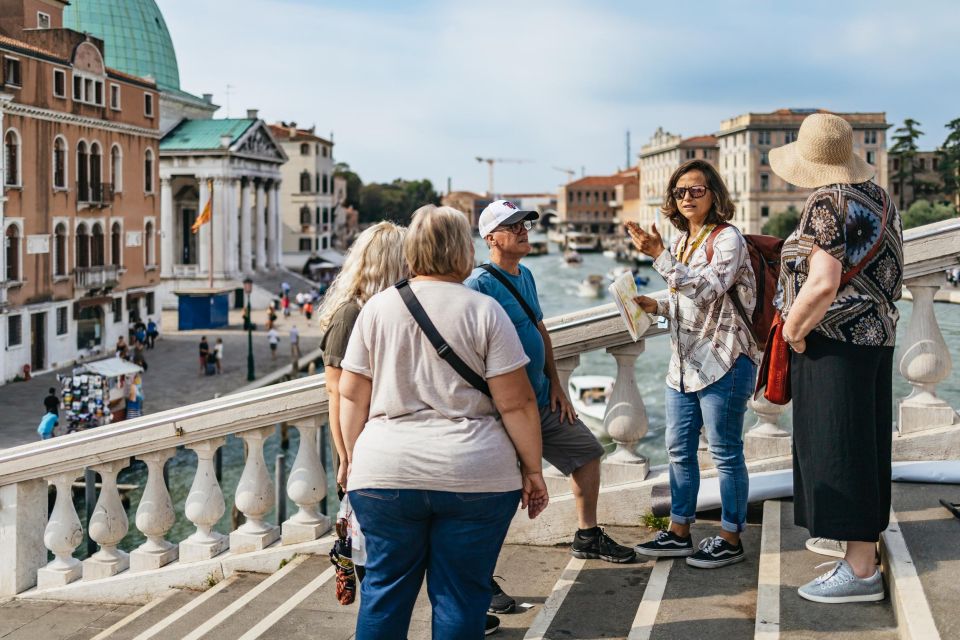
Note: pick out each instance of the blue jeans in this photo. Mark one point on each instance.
(719, 408)
(454, 538)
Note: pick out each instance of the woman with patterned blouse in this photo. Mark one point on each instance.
(842, 271)
(712, 372)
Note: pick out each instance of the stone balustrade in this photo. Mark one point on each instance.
(28, 532)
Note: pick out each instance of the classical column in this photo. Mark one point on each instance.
(261, 241)
(155, 516)
(203, 238)
(204, 506)
(254, 497)
(307, 486)
(246, 233)
(167, 228)
(277, 223)
(108, 525)
(924, 361)
(232, 250)
(626, 417)
(62, 535)
(220, 237)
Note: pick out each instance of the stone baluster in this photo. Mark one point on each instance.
(565, 369)
(204, 506)
(766, 439)
(625, 419)
(108, 525)
(62, 535)
(307, 486)
(155, 516)
(254, 497)
(924, 361)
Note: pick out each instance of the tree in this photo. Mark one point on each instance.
(395, 201)
(782, 224)
(905, 150)
(354, 184)
(922, 212)
(950, 162)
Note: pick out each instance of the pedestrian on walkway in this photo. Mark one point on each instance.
(308, 310)
(294, 342)
(152, 332)
(271, 315)
(47, 424)
(285, 305)
(121, 348)
(841, 275)
(218, 352)
(138, 358)
(135, 398)
(434, 475)
(204, 352)
(711, 372)
(52, 403)
(274, 339)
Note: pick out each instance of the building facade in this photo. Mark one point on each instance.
(927, 170)
(590, 204)
(470, 203)
(307, 195)
(80, 212)
(745, 142)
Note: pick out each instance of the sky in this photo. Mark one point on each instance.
(419, 88)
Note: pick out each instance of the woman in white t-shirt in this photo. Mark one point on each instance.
(434, 476)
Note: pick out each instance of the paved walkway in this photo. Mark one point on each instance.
(172, 379)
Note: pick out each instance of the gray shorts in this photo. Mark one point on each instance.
(567, 446)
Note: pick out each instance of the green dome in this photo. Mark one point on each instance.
(134, 33)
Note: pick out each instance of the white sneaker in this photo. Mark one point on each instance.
(841, 585)
(827, 547)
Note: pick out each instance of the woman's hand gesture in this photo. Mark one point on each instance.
(534, 497)
(650, 244)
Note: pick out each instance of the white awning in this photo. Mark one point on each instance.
(112, 367)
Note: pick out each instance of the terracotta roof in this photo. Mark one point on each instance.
(699, 141)
(599, 181)
(20, 44)
(282, 133)
(129, 76)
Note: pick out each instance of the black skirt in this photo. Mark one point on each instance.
(842, 438)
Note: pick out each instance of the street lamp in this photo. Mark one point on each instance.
(249, 326)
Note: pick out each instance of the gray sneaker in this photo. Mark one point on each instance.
(827, 547)
(840, 584)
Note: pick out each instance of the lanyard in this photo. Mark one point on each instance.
(684, 253)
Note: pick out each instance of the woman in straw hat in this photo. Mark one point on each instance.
(842, 270)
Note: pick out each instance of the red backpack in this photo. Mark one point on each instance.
(765, 259)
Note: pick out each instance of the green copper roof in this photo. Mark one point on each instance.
(134, 33)
(204, 135)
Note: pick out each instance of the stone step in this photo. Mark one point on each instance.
(50, 620)
(786, 565)
(147, 616)
(921, 561)
(708, 603)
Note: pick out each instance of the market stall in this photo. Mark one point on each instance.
(98, 393)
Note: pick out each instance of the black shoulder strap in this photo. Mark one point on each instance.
(443, 349)
(512, 289)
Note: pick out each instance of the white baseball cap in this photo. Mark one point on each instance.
(501, 212)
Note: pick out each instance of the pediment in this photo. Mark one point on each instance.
(259, 143)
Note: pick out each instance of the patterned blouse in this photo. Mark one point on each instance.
(844, 220)
(706, 332)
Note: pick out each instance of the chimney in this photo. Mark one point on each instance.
(208, 98)
(253, 114)
(225, 141)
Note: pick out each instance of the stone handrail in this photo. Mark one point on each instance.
(27, 471)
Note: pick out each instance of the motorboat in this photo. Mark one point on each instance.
(589, 396)
(610, 253)
(616, 272)
(539, 248)
(583, 242)
(592, 287)
(572, 257)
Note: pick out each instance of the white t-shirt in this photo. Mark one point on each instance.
(428, 428)
(273, 337)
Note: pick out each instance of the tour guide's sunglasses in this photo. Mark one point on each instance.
(697, 191)
(516, 227)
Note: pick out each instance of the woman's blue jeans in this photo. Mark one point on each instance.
(453, 538)
(718, 408)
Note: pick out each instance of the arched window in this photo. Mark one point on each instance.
(96, 174)
(13, 252)
(305, 182)
(304, 149)
(116, 247)
(148, 171)
(116, 169)
(59, 163)
(12, 142)
(97, 246)
(60, 250)
(304, 214)
(83, 247)
(148, 244)
(83, 175)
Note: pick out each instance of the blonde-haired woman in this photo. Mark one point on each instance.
(434, 479)
(374, 262)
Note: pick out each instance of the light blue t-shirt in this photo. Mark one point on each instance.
(49, 421)
(530, 336)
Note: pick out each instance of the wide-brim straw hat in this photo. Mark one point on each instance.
(823, 154)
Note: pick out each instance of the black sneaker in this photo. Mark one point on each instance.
(600, 545)
(500, 602)
(666, 544)
(716, 552)
(492, 625)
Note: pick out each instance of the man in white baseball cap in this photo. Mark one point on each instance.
(567, 443)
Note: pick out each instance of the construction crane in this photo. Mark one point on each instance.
(570, 173)
(492, 161)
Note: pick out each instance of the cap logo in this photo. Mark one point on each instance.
(509, 204)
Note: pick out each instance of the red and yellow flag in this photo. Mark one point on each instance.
(204, 217)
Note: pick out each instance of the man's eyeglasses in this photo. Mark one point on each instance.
(516, 227)
(697, 191)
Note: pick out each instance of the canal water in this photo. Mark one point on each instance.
(558, 287)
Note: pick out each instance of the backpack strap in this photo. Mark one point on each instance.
(443, 349)
(732, 291)
(489, 268)
(713, 234)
